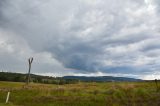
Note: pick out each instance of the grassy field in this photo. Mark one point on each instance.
(82, 94)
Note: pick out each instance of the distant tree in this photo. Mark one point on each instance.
(39, 79)
(17, 79)
(62, 82)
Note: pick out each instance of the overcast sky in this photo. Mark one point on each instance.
(81, 37)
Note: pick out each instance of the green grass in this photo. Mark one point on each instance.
(82, 94)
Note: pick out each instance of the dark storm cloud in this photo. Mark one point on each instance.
(84, 36)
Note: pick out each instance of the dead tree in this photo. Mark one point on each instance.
(30, 60)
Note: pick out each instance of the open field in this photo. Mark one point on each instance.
(82, 94)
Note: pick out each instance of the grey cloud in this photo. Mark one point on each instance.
(105, 35)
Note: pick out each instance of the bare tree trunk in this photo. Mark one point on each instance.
(30, 60)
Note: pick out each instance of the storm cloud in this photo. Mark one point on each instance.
(81, 37)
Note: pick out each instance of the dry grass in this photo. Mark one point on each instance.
(82, 94)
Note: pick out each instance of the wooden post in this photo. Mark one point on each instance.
(7, 99)
(156, 84)
(30, 60)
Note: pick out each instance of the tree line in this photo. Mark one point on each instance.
(18, 77)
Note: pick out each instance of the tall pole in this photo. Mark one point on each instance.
(30, 60)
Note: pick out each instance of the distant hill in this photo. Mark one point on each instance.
(19, 77)
(101, 78)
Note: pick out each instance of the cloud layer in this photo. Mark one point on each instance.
(81, 37)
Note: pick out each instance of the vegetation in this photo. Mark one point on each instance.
(81, 94)
(18, 77)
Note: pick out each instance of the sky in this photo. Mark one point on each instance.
(81, 37)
